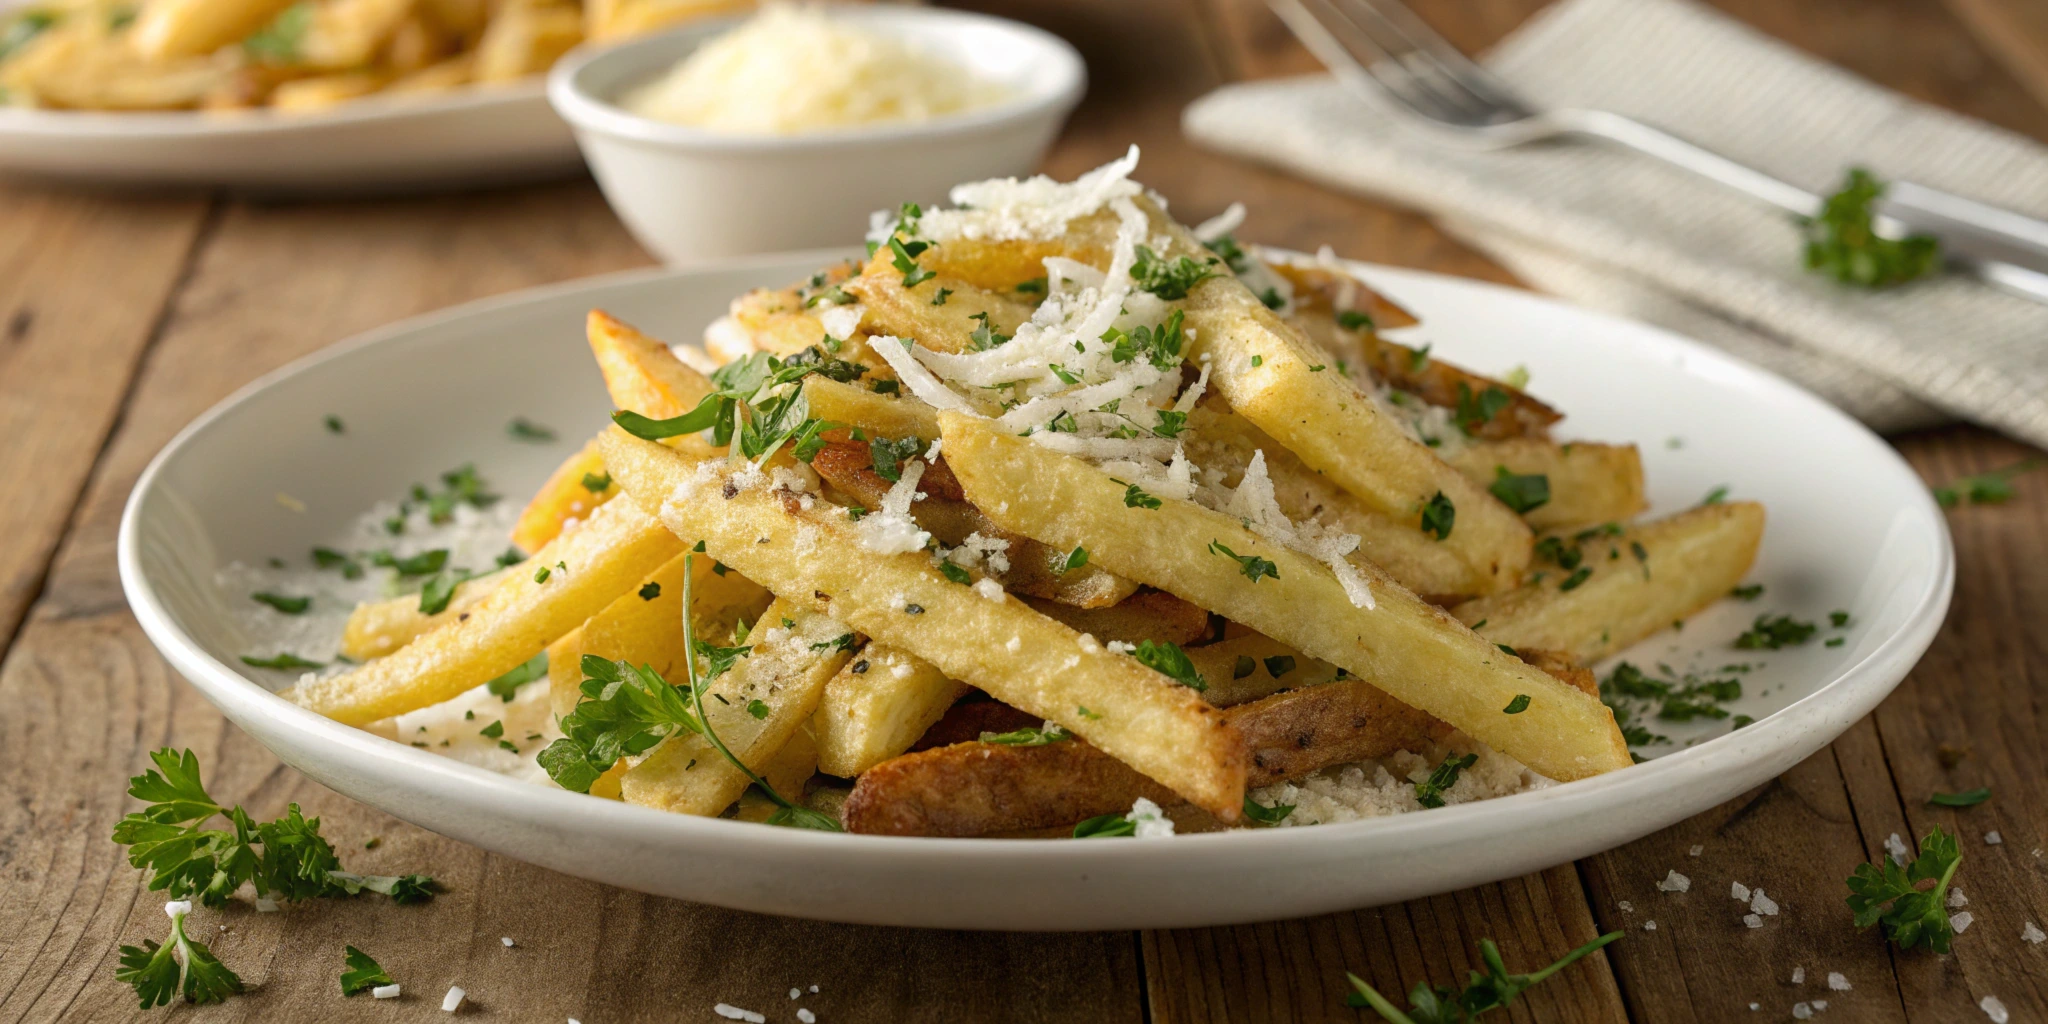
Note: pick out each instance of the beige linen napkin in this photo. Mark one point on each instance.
(1618, 231)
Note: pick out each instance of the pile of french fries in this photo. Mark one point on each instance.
(1147, 644)
(296, 54)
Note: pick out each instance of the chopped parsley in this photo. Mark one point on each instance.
(757, 708)
(492, 731)
(1578, 576)
(1838, 619)
(1716, 496)
(1913, 912)
(1843, 242)
(888, 456)
(597, 484)
(1430, 791)
(1035, 286)
(282, 661)
(1075, 559)
(1522, 493)
(1252, 566)
(1517, 706)
(359, 972)
(278, 42)
(438, 591)
(1135, 497)
(1474, 412)
(1159, 345)
(1354, 320)
(885, 387)
(842, 642)
(955, 573)
(334, 424)
(650, 590)
(1169, 279)
(425, 563)
(1028, 737)
(903, 256)
(1263, 816)
(1770, 632)
(1966, 798)
(939, 299)
(1989, 488)
(1438, 516)
(1747, 592)
(1166, 658)
(287, 605)
(541, 574)
(507, 686)
(1634, 695)
(1106, 826)
(523, 429)
(328, 558)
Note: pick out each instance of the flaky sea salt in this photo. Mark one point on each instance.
(1956, 897)
(1762, 904)
(1626, 906)
(1802, 1011)
(453, 1000)
(731, 1012)
(384, 992)
(1994, 1009)
(1896, 847)
(1674, 882)
(1695, 851)
(2033, 933)
(1838, 981)
(1649, 926)
(1752, 920)
(1960, 921)
(806, 1016)
(1739, 891)
(1992, 838)
(1798, 975)
(507, 940)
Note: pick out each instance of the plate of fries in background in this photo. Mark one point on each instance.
(296, 94)
(1050, 565)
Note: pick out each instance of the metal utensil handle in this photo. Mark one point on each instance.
(1676, 151)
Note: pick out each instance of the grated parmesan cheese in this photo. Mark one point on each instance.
(453, 1000)
(2032, 933)
(795, 69)
(1994, 1009)
(730, 1012)
(385, 992)
(1152, 822)
(1674, 882)
(889, 530)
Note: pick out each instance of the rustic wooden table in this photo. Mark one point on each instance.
(121, 318)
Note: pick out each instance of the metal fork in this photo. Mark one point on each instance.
(1382, 50)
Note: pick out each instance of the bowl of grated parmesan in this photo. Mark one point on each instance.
(785, 130)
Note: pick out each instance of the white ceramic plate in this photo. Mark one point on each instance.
(380, 143)
(1850, 527)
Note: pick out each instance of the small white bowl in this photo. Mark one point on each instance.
(691, 195)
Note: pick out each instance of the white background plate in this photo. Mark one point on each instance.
(471, 135)
(1850, 527)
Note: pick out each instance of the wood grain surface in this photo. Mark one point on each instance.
(122, 317)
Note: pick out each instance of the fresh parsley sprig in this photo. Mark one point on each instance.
(1842, 241)
(1441, 1004)
(753, 411)
(287, 857)
(360, 972)
(159, 972)
(1913, 912)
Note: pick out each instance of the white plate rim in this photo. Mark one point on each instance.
(1829, 710)
(188, 124)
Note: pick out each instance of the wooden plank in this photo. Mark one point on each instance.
(88, 698)
(2015, 33)
(83, 280)
(1971, 715)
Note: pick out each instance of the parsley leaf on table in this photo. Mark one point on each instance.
(1889, 893)
(287, 856)
(1443, 1005)
(1988, 488)
(158, 977)
(359, 972)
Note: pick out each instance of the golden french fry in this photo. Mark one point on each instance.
(642, 375)
(912, 313)
(1147, 615)
(1636, 583)
(586, 569)
(754, 709)
(995, 643)
(612, 19)
(1402, 645)
(376, 628)
(644, 626)
(781, 321)
(877, 706)
(788, 771)
(522, 40)
(879, 415)
(971, 789)
(164, 29)
(1272, 378)
(347, 34)
(1245, 668)
(1223, 443)
(1589, 483)
(566, 497)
